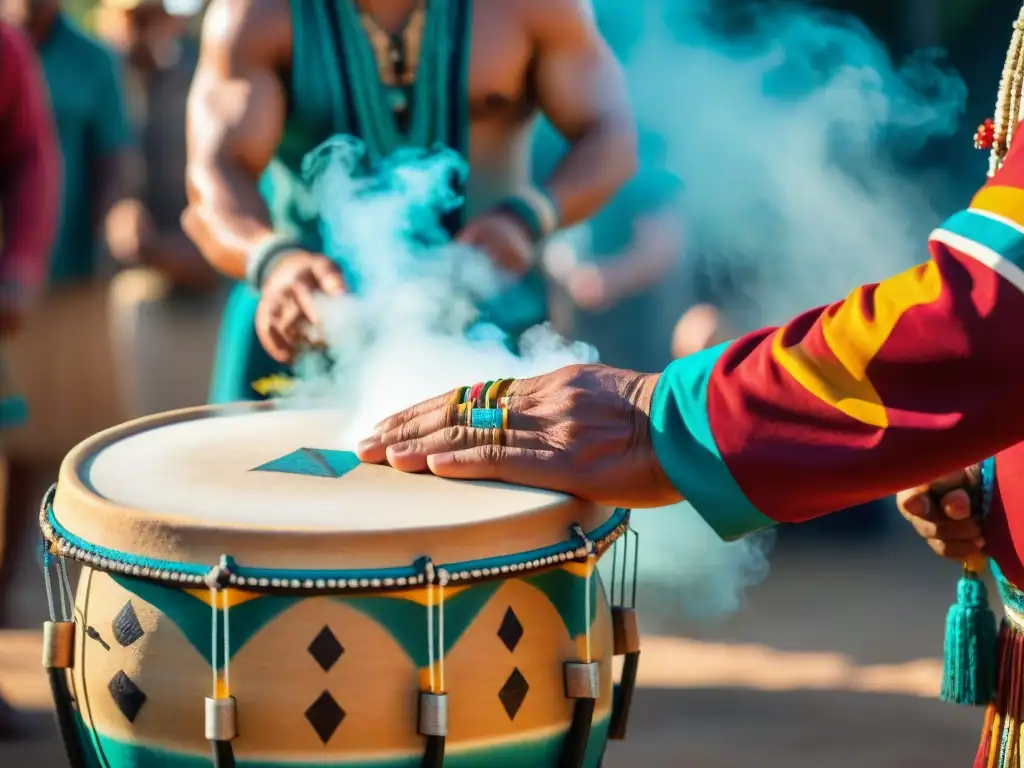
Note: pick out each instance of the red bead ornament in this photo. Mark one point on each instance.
(985, 136)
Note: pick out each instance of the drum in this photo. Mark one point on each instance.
(252, 595)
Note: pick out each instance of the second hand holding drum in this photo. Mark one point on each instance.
(328, 612)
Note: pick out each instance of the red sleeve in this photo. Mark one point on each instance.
(30, 166)
(899, 383)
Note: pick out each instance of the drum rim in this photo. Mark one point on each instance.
(581, 543)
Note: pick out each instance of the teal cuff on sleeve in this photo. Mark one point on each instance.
(686, 448)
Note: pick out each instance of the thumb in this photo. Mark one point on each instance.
(328, 276)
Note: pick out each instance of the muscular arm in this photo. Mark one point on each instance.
(582, 91)
(30, 168)
(900, 383)
(236, 114)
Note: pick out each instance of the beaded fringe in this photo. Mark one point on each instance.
(1000, 745)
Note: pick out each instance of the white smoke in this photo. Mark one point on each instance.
(785, 139)
(400, 336)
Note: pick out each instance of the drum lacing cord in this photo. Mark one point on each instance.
(582, 678)
(221, 715)
(626, 632)
(433, 717)
(59, 647)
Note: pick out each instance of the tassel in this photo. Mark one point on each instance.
(969, 676)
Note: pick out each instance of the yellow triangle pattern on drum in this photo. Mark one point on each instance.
(581, 569)
(423, 596)
(233, 596)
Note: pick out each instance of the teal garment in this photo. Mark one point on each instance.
(686, 449)
(86, 89)
(321, 105)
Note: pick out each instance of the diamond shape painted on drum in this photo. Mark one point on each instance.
(127, 695)
(511, 631)
(325, 716)
(325, 649)
(126, 626)
(513, 692)
(313, 462)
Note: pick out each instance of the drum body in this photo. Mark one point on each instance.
(325, 637)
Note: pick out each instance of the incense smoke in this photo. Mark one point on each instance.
(788, 139)
(409, 329)
(789, 134)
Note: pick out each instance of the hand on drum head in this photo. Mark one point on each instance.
(582, 430)
(940, 512)
(287, 311)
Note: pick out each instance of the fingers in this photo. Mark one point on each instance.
(328, 277)
(304, 303)
(438, 403)
(956, 505)
(373, 449)
(949, 528)
(537, 468)
(414, 456)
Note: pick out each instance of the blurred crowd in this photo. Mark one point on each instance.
(109, 312)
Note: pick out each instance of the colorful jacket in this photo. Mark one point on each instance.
(901, 382)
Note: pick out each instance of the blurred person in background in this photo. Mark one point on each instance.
(29, 197)
(263, 99)
(63, 354)
(610, 273)
(165, 306)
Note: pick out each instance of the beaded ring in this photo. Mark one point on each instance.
(997, 134)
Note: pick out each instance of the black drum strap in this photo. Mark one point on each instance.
(65, 717)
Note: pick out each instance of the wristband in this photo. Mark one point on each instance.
(535, 209)
(265, 255)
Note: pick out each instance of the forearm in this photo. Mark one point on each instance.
(226, 218)
(898, 384)
(634, 271)
(596, 165)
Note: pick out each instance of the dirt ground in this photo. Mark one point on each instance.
(834, 662)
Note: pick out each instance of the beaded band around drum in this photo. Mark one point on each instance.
(266, 255)
(63, 544)
(535, 209)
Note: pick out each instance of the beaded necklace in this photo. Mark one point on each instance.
(398, 83)
(997, 134)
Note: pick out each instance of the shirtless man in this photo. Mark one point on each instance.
(277, 77)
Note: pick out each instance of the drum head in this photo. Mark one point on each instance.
(274, 488)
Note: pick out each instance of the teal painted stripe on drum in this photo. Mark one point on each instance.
(104, 752)
(685, 446)
(619, 517)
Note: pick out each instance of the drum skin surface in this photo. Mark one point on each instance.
(330, 677)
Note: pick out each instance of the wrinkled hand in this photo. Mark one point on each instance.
(503, 238)
(950, 527)
(583, 430)
(287, 310)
